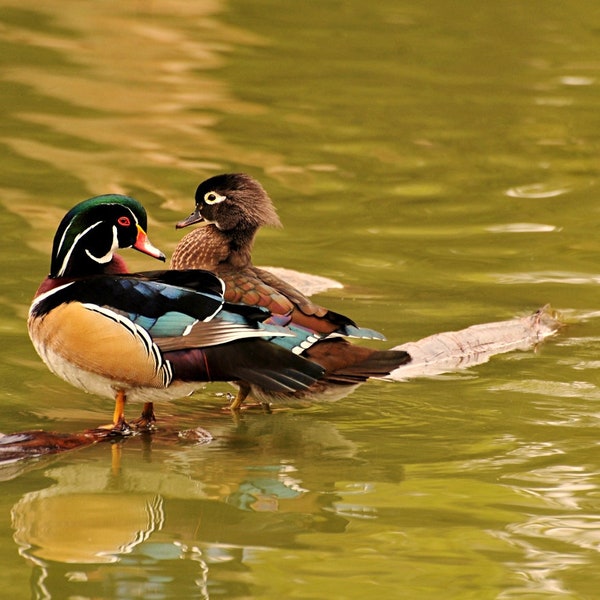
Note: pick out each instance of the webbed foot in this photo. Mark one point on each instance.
(147, 419)
(119, 429)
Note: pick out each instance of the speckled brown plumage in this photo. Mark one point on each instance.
(208, 248)
(232, 208)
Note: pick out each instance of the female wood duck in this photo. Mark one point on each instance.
(146, 336)
(233, 208)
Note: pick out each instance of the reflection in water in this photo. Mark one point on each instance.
(109, 530)
(551, 543)
(90, 518)
(581, 530)
(86, 517)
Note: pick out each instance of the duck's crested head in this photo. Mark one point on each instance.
(233, 201)
(90, 233)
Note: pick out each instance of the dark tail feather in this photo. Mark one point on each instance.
(379, 364)
(346, 363)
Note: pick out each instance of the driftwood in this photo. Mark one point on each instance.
(14, 447)
(309, 285)
(433, 355)
(451, 350)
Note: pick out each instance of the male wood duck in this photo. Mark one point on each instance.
(146, 336)
(232, 208)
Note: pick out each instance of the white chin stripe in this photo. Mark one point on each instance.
(108, 256)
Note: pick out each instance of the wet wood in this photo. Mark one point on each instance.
(309, 285)
(475, 345)
(30, 444)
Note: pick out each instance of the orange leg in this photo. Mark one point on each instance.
(119, 414)
(119, 426)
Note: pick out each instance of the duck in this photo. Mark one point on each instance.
(231, 208)
(147, 336)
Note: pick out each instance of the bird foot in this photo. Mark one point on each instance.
(235, 408)
(119, 429)
(147, 420)
(143, 424)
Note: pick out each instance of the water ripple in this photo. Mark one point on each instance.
(559, 389)
(537, 190)
(574, 80)
(523, 228)
(569, 277)
(579, 530)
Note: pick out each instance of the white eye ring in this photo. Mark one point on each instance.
(213, 198)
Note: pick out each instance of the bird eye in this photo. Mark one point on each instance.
(124, 221)
(213, 198)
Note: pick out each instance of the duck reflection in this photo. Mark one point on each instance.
(166, 518)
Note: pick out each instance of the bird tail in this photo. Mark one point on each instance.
(348, 364)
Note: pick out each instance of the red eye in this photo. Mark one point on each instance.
(124, 221)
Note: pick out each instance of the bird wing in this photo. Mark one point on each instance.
(172, 316)
(260, 287)
(132, 294)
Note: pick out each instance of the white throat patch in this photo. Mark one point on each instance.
(108, 256)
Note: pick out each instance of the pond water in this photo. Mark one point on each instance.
(441, 160)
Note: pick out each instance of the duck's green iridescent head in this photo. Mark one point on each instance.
(93, 230)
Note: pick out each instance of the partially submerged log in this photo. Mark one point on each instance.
(309, 285)
(14, 447)
(37, 442)
(454, 350)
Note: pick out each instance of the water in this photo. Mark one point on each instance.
(438, 159)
